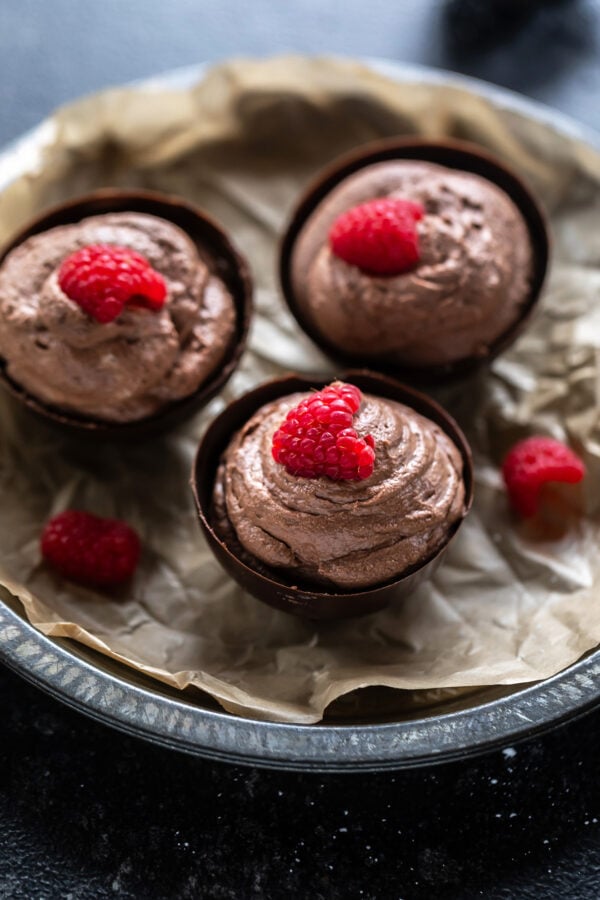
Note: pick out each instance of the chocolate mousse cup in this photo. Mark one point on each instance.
(215, 250)
(287, 591)
(465, 158)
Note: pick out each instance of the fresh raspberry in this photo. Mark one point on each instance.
(379, 236)
(89, 549)
(317, 438)
(103, 278)
(531, 463)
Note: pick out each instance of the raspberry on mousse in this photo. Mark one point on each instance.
(379, 237)
(103, 278)
(317, 438)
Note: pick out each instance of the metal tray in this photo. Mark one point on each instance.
(391, 737)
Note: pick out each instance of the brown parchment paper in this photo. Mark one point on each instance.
(507, 606)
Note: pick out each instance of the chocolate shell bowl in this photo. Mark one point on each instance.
(314, 282)
(276, 587)
(215, 251)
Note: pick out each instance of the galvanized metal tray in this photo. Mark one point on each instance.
(391, 737)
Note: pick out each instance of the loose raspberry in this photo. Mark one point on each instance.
(103, 278)
(89, 549)
(533, 462)
(379, 236)
(317, 438)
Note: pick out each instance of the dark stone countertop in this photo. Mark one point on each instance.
(86, 812)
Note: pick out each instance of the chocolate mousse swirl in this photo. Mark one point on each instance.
(131, 367)
(344, 533)
(468, 287)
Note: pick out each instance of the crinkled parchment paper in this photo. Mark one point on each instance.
(507, 606)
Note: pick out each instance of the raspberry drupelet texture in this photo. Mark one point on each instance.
(104, 278)
(317, 438)
(89, 549)
(380, 236)
(533, 462)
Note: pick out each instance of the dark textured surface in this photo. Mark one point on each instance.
(86, 812)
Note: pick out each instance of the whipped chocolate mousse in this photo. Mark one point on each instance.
(469, 285)
(129, 368)
(343, 534)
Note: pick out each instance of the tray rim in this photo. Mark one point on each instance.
(224, 737)
(221, 736)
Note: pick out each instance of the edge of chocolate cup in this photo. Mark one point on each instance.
(216, 249)
(453, 154)
(273, 588)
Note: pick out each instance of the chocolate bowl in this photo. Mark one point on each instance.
(457, 155)
(271, 586)
(216, 250)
